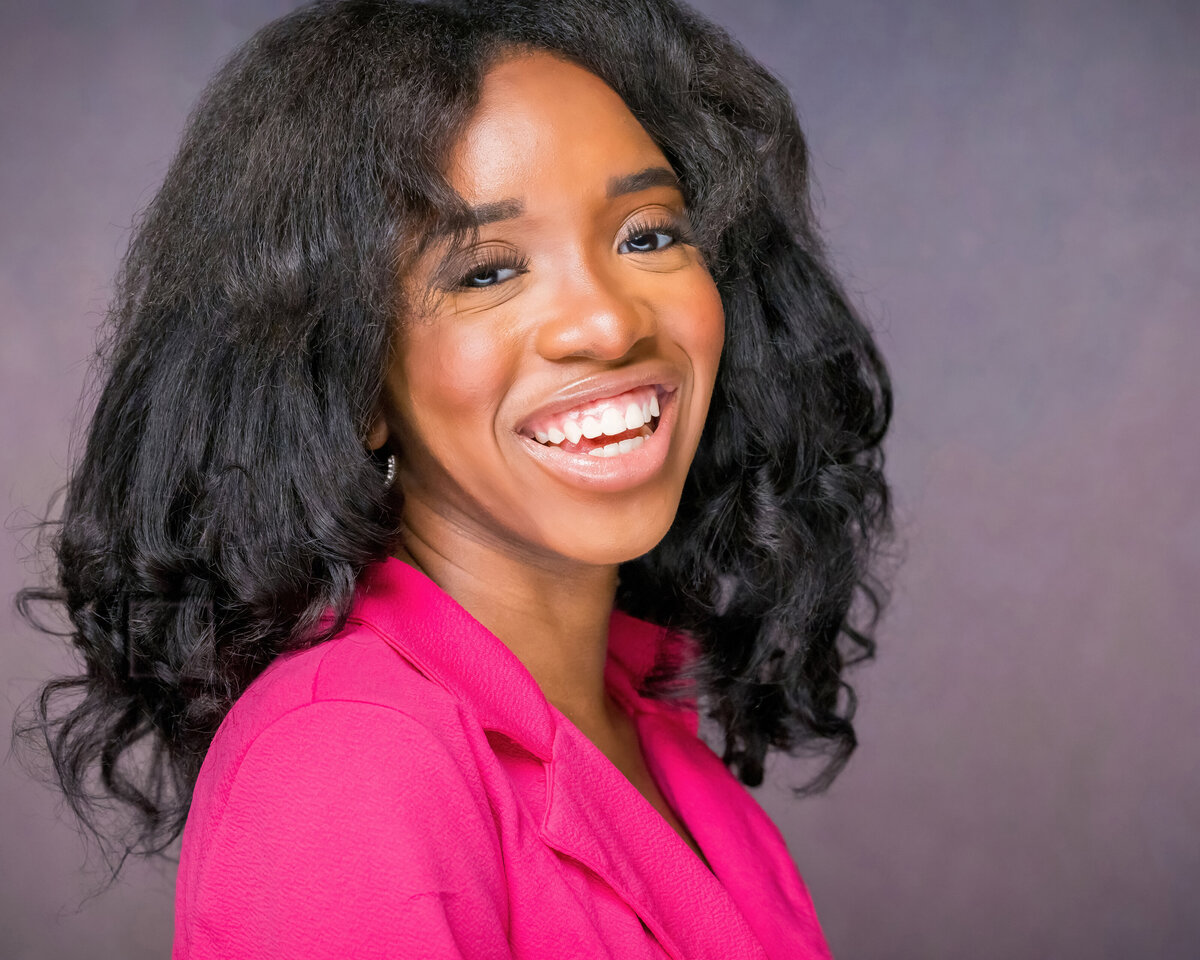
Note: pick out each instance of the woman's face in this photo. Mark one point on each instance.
(580, 310)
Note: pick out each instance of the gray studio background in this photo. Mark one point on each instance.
(1011, 190)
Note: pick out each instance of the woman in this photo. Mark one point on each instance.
(478, 402)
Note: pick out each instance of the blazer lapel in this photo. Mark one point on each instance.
(747, 852)
(745, 848)
(596, 816)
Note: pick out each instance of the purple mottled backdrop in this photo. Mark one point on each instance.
(1012, 192)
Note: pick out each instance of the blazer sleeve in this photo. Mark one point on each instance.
(348, 830)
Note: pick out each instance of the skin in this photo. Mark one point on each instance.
(531, 556)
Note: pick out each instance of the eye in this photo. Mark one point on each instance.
(492, 269)
(498, 266)
(656, 235)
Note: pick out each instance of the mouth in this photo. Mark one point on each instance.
(604, 427)
(617, 459)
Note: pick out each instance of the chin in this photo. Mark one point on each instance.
(598, 545)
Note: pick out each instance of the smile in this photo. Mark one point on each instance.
(608, 427)
(598, 453)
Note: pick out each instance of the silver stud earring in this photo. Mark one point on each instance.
(391, 472)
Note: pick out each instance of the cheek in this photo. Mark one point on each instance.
(701, 325)
(450, 379)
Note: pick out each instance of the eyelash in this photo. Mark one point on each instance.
(493, 260)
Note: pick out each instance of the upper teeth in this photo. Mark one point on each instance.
(610, 422)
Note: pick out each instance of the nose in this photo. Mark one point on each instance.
(594, 314)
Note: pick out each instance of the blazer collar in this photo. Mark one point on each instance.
(433, 631)
(420, 618)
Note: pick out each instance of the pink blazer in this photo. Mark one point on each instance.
(406, 790)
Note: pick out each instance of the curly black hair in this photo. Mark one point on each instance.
(225, 502)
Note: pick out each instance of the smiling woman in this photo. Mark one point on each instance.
(478, 411)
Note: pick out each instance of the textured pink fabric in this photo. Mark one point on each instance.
(405, 790)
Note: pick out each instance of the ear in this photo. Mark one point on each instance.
(378, 434)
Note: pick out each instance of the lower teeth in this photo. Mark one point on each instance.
(618, 448)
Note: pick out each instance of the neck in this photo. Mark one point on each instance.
(553, 615)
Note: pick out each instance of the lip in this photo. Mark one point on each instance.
(664, 378)
(610, 474)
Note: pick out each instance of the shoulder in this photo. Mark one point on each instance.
(338, 775)
(354, 682)
(331, 800)
(341, 732)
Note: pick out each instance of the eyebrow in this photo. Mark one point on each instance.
(619, 186)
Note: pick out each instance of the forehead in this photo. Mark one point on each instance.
(545, 125)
